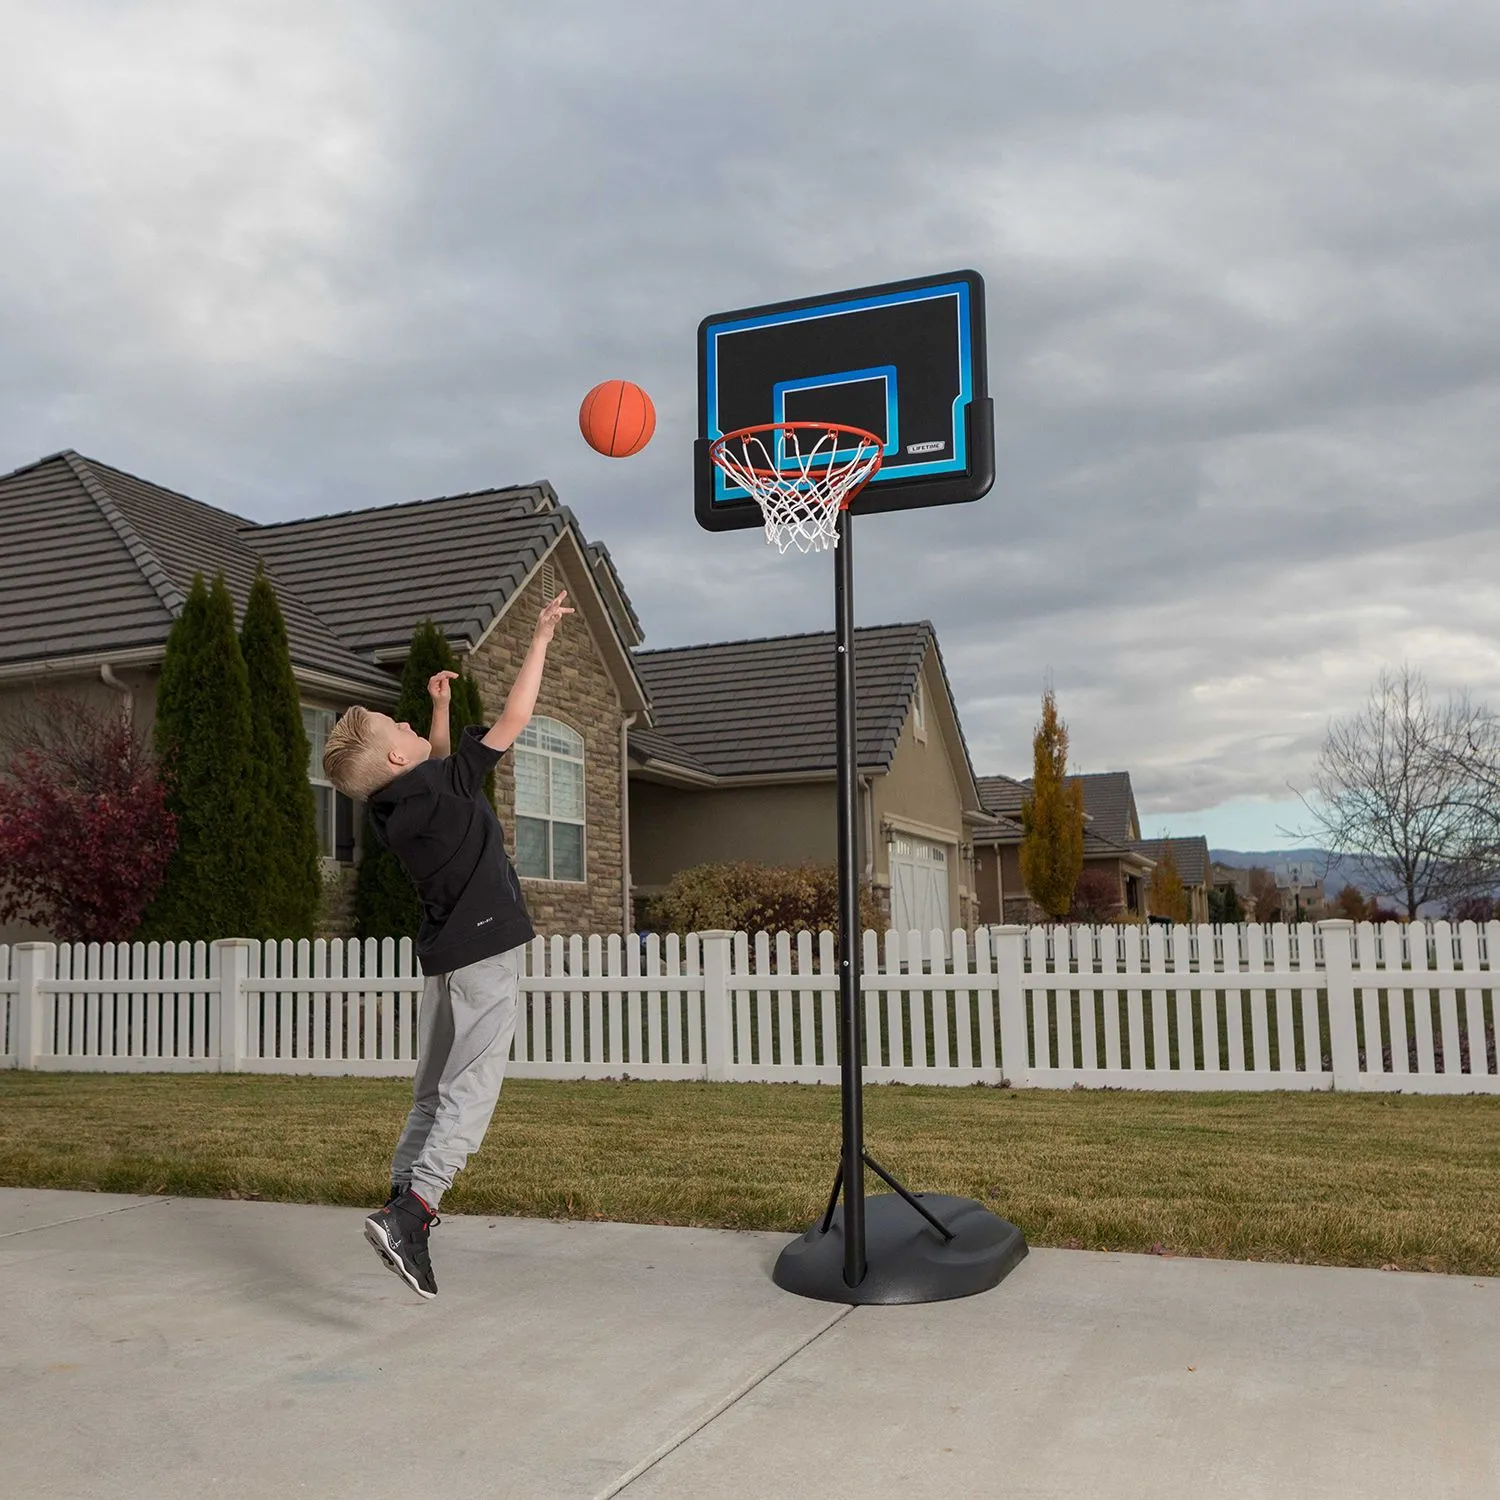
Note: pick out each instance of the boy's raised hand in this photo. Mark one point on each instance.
(438, 689)
(551, 614)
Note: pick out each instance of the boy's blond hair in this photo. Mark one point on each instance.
(353, 759)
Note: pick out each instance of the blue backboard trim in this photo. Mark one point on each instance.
(957, 290)
(886, 373)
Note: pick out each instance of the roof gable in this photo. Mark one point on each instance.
(73, 578)
(184, 536)
(766, 707)
(100, 561)
(1190, 855)
(1110, 804)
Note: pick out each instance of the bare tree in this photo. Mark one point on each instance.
(1396, 784)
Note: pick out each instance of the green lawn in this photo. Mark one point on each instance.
(1339, 1179)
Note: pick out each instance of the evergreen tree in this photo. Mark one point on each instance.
(284, 847)
(386, 902)
(203, 745)
(1169, 897)
(1224, 906)
(1052, 818)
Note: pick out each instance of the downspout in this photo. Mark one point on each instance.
(625, 724)
(107, 676)
(867, 795)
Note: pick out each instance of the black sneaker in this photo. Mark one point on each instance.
(399, 1234)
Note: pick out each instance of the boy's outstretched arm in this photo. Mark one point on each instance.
(507, 728)
(440, 736)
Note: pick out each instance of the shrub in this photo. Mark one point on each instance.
(1096, 897)
(748, 897)
(85, 834)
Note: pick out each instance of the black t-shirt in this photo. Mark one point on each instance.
(437, 821)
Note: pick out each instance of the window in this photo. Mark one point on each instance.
(334, 811)
(549, 802)
(919, 712)
(317, 722)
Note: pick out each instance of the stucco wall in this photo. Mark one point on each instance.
(672, 828)
(922, 788)
(577, 689)
(987, 888)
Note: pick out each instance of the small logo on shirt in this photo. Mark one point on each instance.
(484, 921)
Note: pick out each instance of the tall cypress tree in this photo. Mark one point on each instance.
(386, 902)
(284, 841)
(203, 745)
(1052, 819)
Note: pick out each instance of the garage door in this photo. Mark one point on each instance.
(919, 885)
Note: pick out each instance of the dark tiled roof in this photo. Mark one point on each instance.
(373, 575)
(764, 707)
(72, 580)
(99, 561)
(1190, 855)
(107, 561)
(627, 622)
(650, 744)
(1002, 795)
(1109, 802)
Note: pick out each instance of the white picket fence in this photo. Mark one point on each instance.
(1339, 1006)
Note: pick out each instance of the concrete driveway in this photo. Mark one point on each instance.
(185, 1347)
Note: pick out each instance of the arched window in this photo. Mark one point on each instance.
(549, 801)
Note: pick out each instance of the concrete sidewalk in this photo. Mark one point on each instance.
(156, 1347)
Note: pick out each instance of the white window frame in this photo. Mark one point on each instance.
(328, 836)
(530, 742)
(919, 711)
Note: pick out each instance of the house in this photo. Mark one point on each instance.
(1190, 855)
(1223, 877)
(740, 764)
(1111, 824)
(97, 565)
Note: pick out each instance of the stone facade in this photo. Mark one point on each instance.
(578, 690)
(336, 909)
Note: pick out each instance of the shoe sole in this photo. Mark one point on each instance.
(378, 1242)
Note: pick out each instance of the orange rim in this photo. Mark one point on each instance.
(824, 462)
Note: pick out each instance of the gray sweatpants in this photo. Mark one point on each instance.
(464, 1032)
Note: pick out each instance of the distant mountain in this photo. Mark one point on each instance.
(1338, 870)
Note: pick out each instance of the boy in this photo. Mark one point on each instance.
(428, 807)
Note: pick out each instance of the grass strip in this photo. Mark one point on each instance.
(1331, 1179)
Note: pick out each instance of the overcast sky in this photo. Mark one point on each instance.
(1244, 299)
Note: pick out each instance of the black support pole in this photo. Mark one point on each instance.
(898, 1246)
(851, 1039)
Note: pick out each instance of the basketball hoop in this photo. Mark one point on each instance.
(800, 493)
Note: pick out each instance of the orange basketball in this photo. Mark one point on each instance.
(617, 418)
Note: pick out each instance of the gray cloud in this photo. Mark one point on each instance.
(1242, 293)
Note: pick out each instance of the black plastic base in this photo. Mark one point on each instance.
(907, 1260)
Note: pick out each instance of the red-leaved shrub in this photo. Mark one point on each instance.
(85, 835)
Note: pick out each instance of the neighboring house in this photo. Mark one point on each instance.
(1232, 878)
(1190, 855)
(1110, 825)
(97, 565)
(740, 764)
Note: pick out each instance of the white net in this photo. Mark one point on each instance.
(800, 492)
